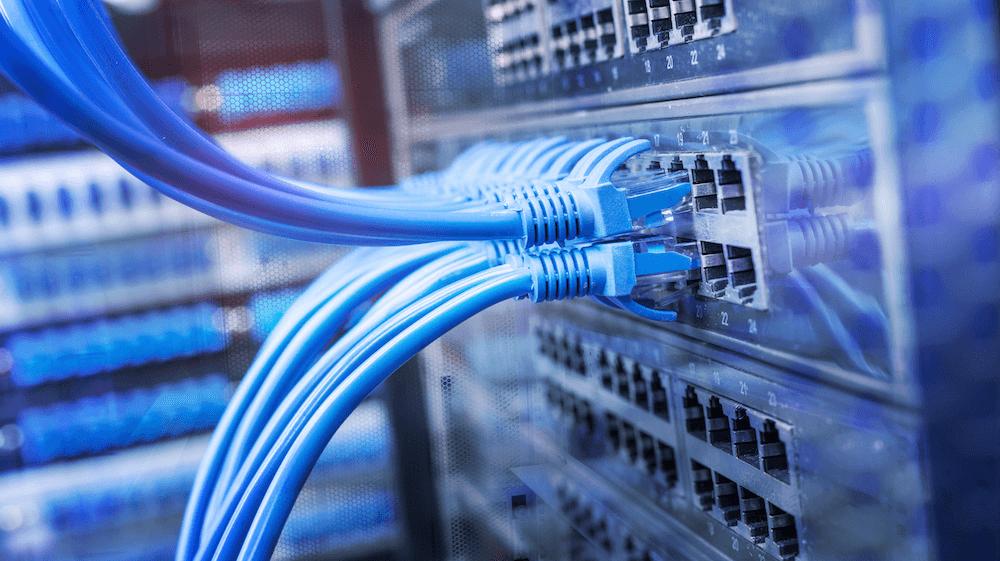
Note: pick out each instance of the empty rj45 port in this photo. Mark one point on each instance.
(783, 532)
(703, 186)
(754, 515)
(685, 16)
(648, 453)
(773, 456)
(701, 477)
(727, 498)
(712, 9)
(658, 397)
(718, 426)
(604, 365)
(640, 390)
(668, 463)
(613, 431)
(744, 438)
(714, 268)
(694, 414)
(730, 186)
(631, 441)
(621, 375)
(638, 22)
(659, 19)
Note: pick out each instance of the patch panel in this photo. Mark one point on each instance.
(517, 27)
(151, 483)
(72, 199)
(87, 349)
(72, 284)
(117, 420)
(745, 512)
(37, 278)
(655, 24)
(631, 381)
(583, 34)
(725, 224)
(754, 438)
(79, 198)
(635, 447)
(736, 458)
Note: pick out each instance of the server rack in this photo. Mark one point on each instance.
(795, 409)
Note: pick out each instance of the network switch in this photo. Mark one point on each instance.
(656, 24)
(728, 450)
(771, 223)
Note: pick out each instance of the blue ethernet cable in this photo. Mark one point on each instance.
(287, 212)
(432, 275)
(376, 276)
(317, 314)
(566, 218)
(102, 56)
(318, 292)
(608, 270)
(93, 30)
(644, 263)
(278, 500)
(569, 273)
(460, 263)
(227, 539)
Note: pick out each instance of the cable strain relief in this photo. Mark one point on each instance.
(557, 275)
(548, 214)
(821, 239)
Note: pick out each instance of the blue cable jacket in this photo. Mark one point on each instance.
(350, 350)
(480, 292)
(419, 283)
(318, 292)
(289, 214)
(91, 24)
(96, 54)
(303, 348)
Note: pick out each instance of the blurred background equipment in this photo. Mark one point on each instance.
(828, 391)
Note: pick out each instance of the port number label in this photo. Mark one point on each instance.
(736, 544)
(680, 142)
(734, 139)
(656, 140)
(720, 52)
(699, 310)
(694, 58)
(752, 326)
(614, 73)
(772, 399)
(670, 62)
(744, 390)
(649, 67)
(704, 137)
(725, 318)
(717, 377)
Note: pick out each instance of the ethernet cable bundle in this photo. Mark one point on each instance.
(540, 220)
